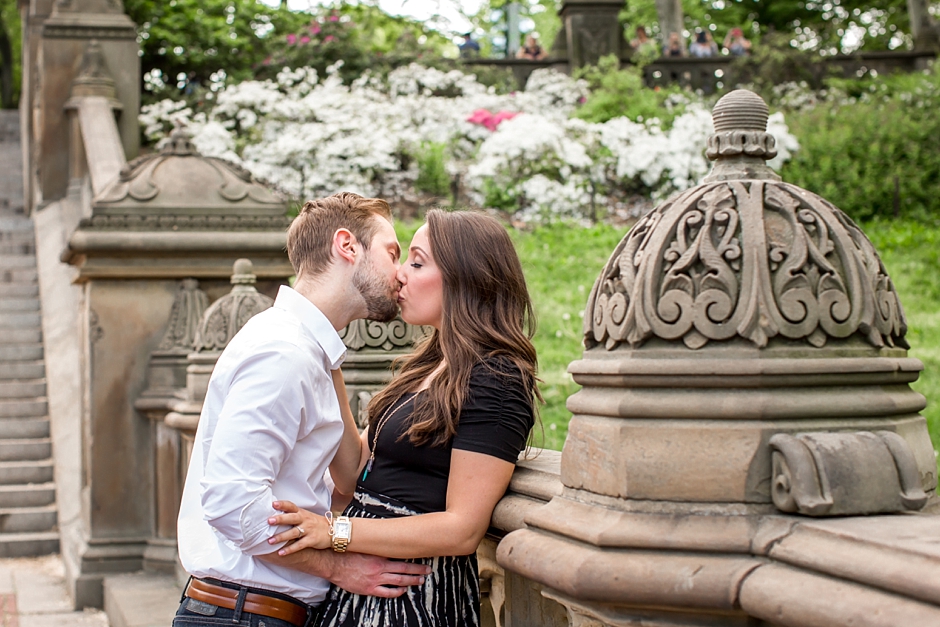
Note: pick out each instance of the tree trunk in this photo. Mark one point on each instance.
(671, 20)
(924, 28)
(6, 68)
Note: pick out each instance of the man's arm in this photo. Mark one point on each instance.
(355, 572)
(344, 469)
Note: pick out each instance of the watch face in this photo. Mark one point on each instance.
(342, 528)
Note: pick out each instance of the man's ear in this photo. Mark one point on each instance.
(345, 245)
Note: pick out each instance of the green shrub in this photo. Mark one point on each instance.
(432, 170)
(871, 148)
(620, 91)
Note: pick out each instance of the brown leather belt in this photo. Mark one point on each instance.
(272, 607)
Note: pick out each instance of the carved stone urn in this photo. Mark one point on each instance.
(745, 357)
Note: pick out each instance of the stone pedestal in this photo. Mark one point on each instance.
(745, 358)
(590, 30)
(170, 218)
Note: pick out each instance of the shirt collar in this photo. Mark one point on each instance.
(314, 323)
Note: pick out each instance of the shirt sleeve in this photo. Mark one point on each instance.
(497, 414)
(257, 428)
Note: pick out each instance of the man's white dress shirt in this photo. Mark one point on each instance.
(269, 428)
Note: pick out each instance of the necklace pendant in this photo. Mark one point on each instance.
(368, 469)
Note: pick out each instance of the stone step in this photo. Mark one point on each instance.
(22, 370)
(19, 290)
(29, 544)
(31, 495)
(20, 336)
(24, 388)
(19, 275)
(25, 519)
(24, 428)
(11, 303)
(20, 352)
(15, 223)
(23, 407)
(9, 262)
(21, 472)
(20, 320)
(15, 247)
(23, 449)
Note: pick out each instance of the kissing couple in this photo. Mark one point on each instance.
(277, 447)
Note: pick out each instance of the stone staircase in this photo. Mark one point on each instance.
(28, 520)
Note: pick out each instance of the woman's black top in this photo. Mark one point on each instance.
(495, 420)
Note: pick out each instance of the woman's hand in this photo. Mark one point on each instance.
(308, 530)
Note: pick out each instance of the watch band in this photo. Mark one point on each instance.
(340, 542)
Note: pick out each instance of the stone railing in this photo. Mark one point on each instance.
(713, 74)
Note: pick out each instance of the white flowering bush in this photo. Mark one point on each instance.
(523, 153)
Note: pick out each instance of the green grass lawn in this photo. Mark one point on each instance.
(562, 262)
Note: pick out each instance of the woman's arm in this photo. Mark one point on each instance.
(344, 469)
(476, 483)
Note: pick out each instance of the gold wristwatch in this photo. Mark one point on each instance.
(341, 533)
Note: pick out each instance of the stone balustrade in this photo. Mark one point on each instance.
(713, 74)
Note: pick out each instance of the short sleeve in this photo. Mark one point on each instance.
(497, 414)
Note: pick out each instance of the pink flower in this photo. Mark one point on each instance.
(334, 18)
(480, 116)
(314, 29)
(305, 40)
(490, 120)
(328, 38)
(291, 39)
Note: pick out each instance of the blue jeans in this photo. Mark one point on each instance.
(193, 613)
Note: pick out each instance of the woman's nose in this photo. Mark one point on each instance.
(400, 274)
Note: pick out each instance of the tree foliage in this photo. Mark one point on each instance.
(10, 53)
(190, 43)
(824, 26)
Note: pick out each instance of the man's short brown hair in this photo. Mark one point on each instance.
(310, 236)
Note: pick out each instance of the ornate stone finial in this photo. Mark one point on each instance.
(93, 78)
(743, 255)
(741, 143)
(188, 306)
(179, 143)
(243, 272)
(229, 314)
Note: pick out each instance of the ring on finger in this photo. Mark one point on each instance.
(300, 531)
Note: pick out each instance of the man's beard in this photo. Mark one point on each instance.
(381, 301)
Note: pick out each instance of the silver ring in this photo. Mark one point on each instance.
(301, 531)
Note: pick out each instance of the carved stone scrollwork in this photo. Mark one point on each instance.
(229, 314)
(752, 258)
(828, 474)
(188, 306)
(387, 336)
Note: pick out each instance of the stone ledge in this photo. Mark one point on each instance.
(141, 600)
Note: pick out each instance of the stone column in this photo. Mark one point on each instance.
(65, 35)
(590, 30)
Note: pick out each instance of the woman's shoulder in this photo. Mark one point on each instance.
(496, 367)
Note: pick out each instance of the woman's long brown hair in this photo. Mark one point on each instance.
(487, 313)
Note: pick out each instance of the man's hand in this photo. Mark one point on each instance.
(356, 572)
(375, 576)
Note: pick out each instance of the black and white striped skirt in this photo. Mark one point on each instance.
(450, 596)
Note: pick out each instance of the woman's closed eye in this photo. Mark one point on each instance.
(416, 265)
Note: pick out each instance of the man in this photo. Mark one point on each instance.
(271, 425)
(469, 49)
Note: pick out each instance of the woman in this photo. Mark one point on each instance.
(737, 44)
(445, 434)
(531, 50)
